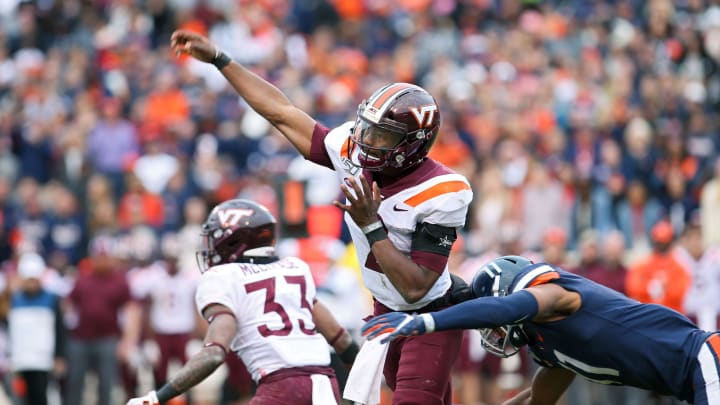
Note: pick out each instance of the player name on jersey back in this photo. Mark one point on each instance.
(273, 305)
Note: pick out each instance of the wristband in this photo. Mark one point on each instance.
(369, 228)
(221, 59)
(348, 356)
(376, 236)
(429, 322)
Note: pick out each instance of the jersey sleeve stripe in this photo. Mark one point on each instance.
(544, 278)
(436, 190)
(532, 275)
(714, 342)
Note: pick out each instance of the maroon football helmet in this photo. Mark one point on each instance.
(235, 229)
(404, 113)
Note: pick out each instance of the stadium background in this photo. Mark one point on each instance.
(581, 124)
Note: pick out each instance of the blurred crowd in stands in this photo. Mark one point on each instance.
(589, 130)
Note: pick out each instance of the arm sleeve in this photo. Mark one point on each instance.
(318, 151)
(487, 312)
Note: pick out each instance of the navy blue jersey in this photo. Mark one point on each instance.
(613, 339)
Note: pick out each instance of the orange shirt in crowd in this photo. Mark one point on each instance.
(167, 108)
(659, 279)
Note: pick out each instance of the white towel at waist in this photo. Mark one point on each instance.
(363, 383)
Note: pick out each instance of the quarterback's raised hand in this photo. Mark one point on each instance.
(398, 324)
(148, 399)
(193, 44)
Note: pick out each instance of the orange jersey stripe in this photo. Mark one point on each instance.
(436, 190)
(389, 92)
(714, 341)
(544, 278)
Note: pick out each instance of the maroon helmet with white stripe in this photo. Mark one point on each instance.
(395, 128)
(236, 230)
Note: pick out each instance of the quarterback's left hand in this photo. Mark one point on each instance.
(148, 399)
(363, 200)
(398, 324)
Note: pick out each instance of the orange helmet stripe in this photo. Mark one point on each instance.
(388, 94)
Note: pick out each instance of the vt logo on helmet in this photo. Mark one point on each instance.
(395, 129)
(494, 280)
(235, 230)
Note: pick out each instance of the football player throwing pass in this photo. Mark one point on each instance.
(402, 208)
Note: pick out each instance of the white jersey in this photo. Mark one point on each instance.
(273, 306)
(702, 300)
(172, 308)
(441, 197)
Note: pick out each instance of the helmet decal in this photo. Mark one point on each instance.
(232, 216)
(424, 114)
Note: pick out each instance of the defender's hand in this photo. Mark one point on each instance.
(398, 324)
(363, 201)
(149, 399)
(193, 44)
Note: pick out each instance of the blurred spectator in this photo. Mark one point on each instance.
(170, 297)
(155, 167)
(100, 295)
(608, 177)
(112, 144)
(542, 206)
(678, 203)
(613, 255)
(175, 195)
(589, 261)
(659, 278)
(702, 302)
(138, 206)
(37, 331)
(141, 251)
(591, 210)
(710, 208)
(640, 158)
(554, 246)
(195, 211)
(31, 218)
(166, 105)
(491, 206)
(66, 233)
(637, 214)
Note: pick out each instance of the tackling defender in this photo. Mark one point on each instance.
(575, 326)
(263, 308)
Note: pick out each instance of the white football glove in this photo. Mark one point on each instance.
(148, 399)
